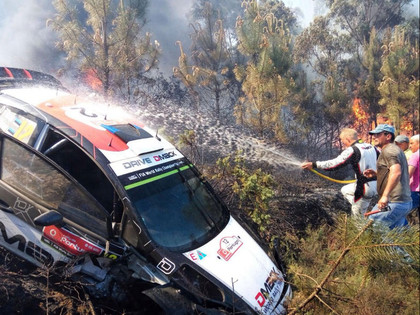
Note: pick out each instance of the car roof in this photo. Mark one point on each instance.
(94, 125)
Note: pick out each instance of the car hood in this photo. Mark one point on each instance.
(236, 260)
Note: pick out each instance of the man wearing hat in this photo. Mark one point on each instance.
(392, 179)
(403, 142)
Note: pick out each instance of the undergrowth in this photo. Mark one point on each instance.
(354, 268)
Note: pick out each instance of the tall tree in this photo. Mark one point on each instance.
(267, 44)
(325, 50)
(344, 45)
(102, 37)
(358, 18)
(368, 90)
(210, 74)
(399, 88)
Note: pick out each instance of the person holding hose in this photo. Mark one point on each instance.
(361, 156)
(393, 180)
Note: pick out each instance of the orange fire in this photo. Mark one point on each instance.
(91, 78)
(361, 123)
(407, 127)
(362, 117)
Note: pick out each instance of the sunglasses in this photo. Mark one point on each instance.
(381, 133)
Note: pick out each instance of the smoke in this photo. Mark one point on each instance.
(26, 42)
(167, 21)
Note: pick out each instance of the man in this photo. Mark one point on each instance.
(392, 179)
(403, 141)
(413, 170)
(360, 156)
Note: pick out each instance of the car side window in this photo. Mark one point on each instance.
(37, 178)
(77, 163)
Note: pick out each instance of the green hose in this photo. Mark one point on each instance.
(332, 179)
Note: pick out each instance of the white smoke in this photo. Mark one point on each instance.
(25, 40)
(168, 22)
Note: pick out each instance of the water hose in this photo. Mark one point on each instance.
(332, 179)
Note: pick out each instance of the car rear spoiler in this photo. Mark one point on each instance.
(10, 77)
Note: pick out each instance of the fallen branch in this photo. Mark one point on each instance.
(318, 288)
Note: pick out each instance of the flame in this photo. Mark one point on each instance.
(407, 126)
(362, 118)
(91, 78)
(361, 123)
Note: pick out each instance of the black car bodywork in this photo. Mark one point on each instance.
(96, 193)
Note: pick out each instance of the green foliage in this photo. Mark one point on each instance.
(267, 43)
(400, 85)
(253, 188)
(326, 50)
(356, 268)
(335, 94)
(359, 17)
(343, 45)
(369, 92)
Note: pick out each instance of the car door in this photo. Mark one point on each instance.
(31, 185)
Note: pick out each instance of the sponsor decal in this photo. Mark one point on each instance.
(152, 174)
(164, 156)
(137, 162)
(25, 210)
(148, 160)
(267, 295)
(72, 244)
(196, 255)
(27, 247)
(145, 162)
(166, 266)
(229, 245)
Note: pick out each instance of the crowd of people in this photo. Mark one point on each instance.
(388, 170)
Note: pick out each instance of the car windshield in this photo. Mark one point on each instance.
(178, 209)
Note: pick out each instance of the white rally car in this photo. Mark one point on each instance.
(85, 188)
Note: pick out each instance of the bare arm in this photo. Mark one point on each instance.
(393, 179)
(411, 170)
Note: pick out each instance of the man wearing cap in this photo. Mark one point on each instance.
(360, 156)
(392, 179)
(403, 142)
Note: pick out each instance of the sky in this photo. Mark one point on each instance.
(26, 41)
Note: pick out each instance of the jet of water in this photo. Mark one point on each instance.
(222, 139)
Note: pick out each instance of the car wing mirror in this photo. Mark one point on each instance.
(51, 217)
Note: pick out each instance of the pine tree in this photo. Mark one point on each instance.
(103, 37)
(266, 42)
(400, 85)
(369, 88)
(209, 77)
(355, 267)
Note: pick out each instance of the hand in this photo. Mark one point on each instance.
(306, 165)
(383, 202)
(369, 173)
